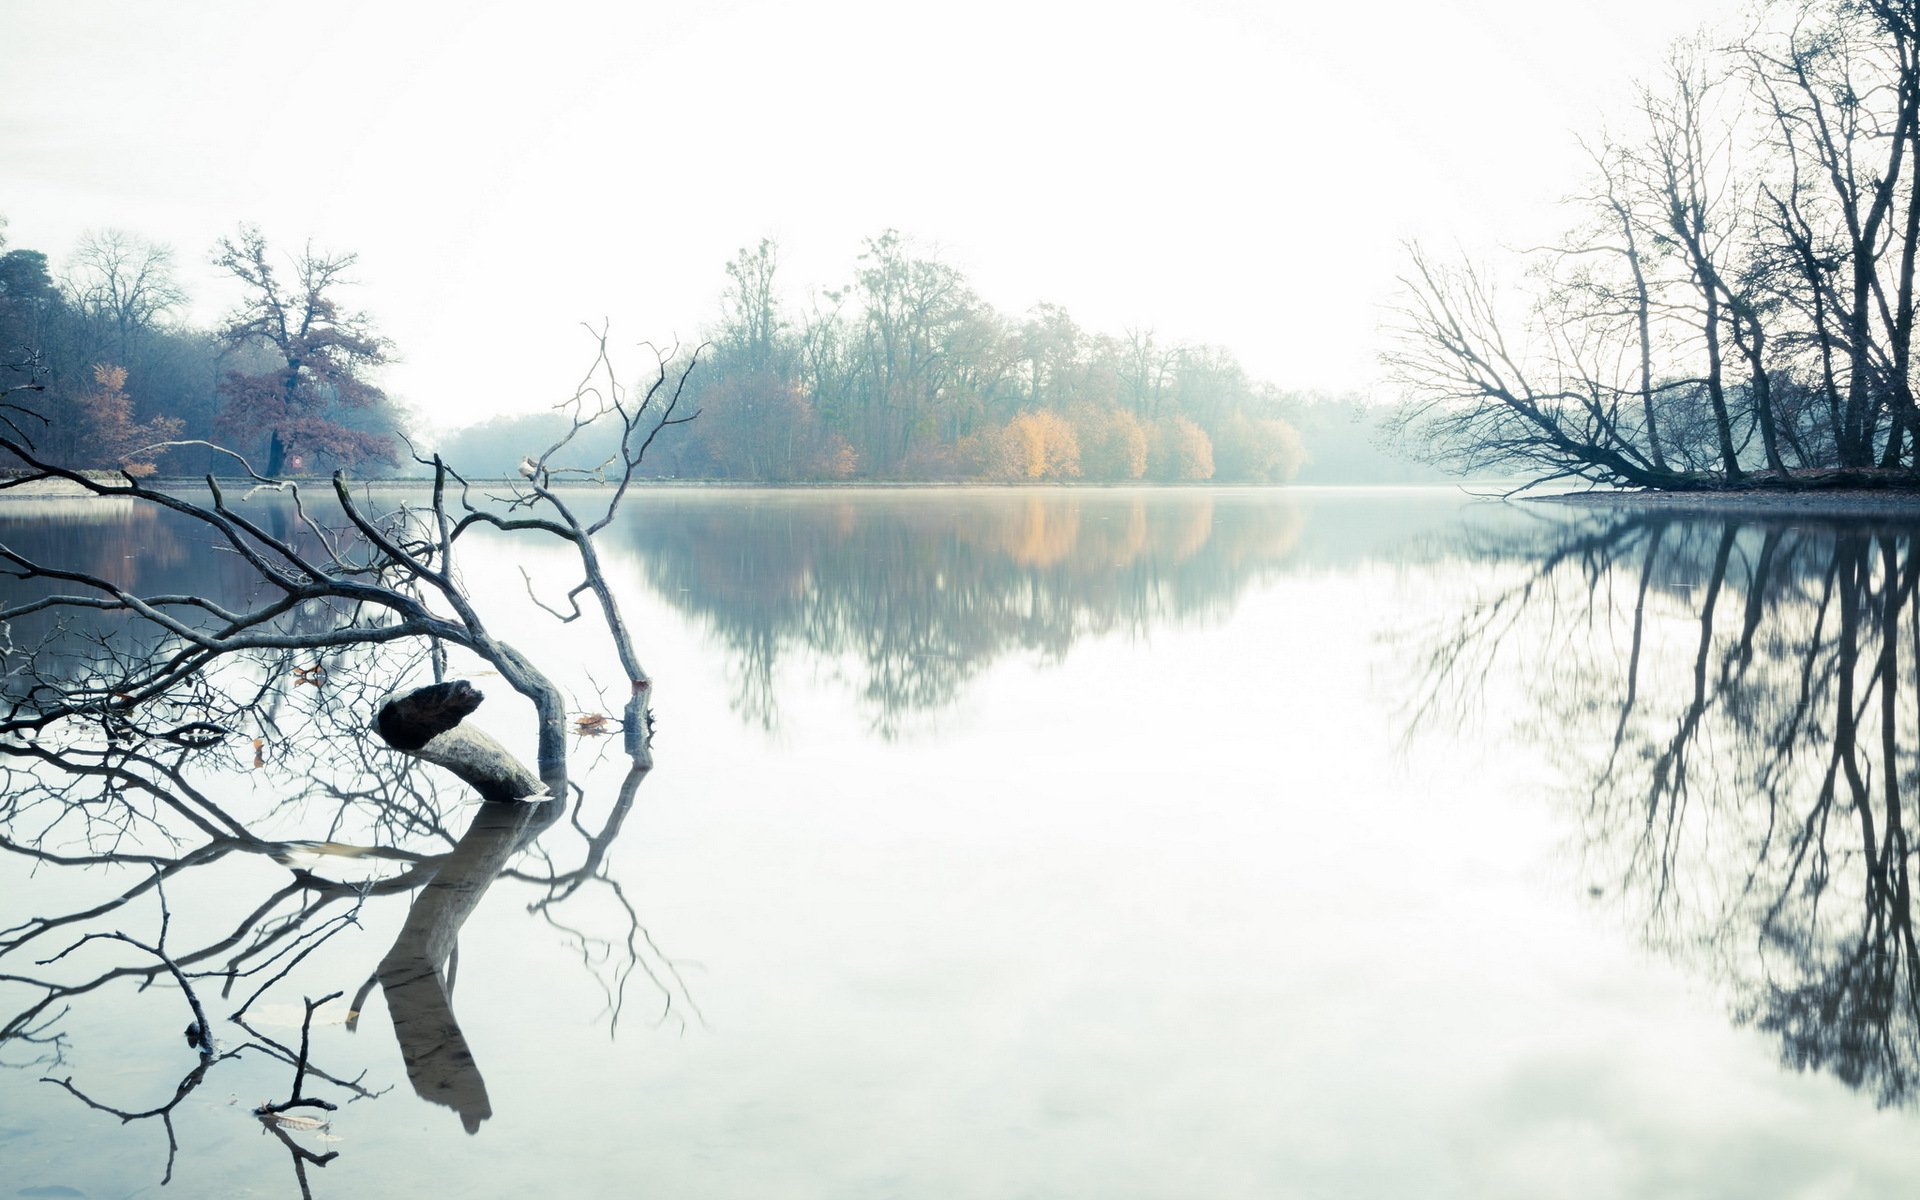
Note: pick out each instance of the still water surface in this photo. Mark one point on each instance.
(1061, 844)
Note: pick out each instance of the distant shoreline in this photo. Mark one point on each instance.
(64, 490)
(50, 489)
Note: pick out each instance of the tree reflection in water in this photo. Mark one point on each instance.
(1737, 702)
(922, 590)
(919, 595)
(172, 856)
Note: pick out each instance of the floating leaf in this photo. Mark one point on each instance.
(291, 1121)
(337, 849)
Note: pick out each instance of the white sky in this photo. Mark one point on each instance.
(1220, 170)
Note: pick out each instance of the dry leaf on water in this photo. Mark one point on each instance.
(291, 1121)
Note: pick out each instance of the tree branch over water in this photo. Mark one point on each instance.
(131, 717)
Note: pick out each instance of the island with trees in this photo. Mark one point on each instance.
(903, 373)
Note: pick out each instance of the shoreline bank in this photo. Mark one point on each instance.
(1838, 502)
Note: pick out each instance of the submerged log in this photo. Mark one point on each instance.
(428, 723)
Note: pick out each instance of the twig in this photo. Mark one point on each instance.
(200, 1034)
(295, 1099)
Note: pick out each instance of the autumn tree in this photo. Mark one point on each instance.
(1179, 451)
(319, 355)
(1113, 443)
(1249, 449)
(111, 437)
(1047, 444)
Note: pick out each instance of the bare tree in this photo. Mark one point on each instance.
(1756, 245)
(123, 280)
(115, 703)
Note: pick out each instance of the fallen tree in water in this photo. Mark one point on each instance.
(428, 724)
(325, 652)
(346, 574)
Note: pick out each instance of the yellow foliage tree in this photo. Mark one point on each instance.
(1178, 451)
(1049, 448)
(1257, 450)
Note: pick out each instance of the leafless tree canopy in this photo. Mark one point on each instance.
(1736, 305)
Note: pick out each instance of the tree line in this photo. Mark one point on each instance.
(101, 371)
(1736, 303)
(903, 372)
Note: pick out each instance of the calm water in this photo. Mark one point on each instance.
(1051, 844)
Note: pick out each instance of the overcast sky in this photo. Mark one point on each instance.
(1233, 172)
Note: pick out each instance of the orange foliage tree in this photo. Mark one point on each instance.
(109, 435)
(318, 359)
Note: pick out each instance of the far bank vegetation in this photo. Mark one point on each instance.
(906, 373)
(902, 373)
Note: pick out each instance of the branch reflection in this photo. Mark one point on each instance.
(260, 861)
(1736, 702)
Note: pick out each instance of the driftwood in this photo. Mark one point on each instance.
(428, 723)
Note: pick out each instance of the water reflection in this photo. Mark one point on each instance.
(1714, 688)
(128, 833)
(922, 591)
(415, 976)
(1736, 702)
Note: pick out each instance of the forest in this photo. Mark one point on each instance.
(906, 373)
(902, 373)
(99, 370)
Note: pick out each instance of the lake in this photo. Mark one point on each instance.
(1009, 843)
